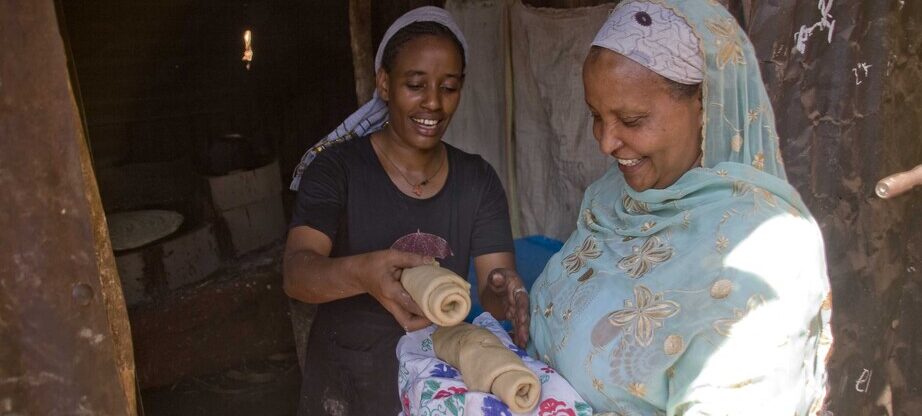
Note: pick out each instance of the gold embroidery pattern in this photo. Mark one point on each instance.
(827, 302)
(674, 344)
(670, 372)
(598, 384)
(758, 161)
(736, 143)
(588, 250)
(740, 188)
(549, 310)
(645, 257)
(724, 326)
(766, 196)
(754, 114)
(581, 298)
(589, 219)
(633, 206)
(742, 384)
(643, 314)
(647, 226)
(721, 289)
(586, 275)
(722, 243)
(730, 49)
(637, 389)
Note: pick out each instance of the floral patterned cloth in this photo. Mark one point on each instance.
(429, 386)
(708, 297)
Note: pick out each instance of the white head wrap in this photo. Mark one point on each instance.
(422, 14)
(655, 37)
(372, 116)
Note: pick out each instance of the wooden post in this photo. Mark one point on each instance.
(65, 342)
(363, 56)
(509, 123)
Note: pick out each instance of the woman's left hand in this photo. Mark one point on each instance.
(508, 286)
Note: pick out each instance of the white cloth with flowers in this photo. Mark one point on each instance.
(429, 386)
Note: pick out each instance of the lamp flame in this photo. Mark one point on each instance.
(247, 48)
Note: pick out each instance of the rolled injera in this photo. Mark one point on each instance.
(487, 365)
(444, 297)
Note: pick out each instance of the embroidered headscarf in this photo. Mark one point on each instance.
(372, 116)
(739, 122)
(709, 296)
(656, 38)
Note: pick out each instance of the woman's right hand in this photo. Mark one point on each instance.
(380, 273)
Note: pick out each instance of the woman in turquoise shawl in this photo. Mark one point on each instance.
(695, 282)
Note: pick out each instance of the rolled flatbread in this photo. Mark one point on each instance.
(486, 365)
(444, 297)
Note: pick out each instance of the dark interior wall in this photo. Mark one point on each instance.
(160, 81)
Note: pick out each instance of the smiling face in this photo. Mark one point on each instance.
(653, 132)
(422, 89)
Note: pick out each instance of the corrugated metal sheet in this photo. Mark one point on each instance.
(848, 114)
(65, 345)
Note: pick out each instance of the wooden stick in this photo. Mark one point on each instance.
(362, 53)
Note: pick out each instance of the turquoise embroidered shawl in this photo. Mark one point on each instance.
(709, 296)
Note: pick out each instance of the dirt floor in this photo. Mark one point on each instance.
(267, 387)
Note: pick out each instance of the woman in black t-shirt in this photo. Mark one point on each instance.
(382, 175)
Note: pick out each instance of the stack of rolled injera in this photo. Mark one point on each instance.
(444, 297)
(487, 365)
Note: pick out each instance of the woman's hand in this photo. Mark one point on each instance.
(380, 273)
(311, 276)
(509, 288)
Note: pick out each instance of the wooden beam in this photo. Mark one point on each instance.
(363, 56)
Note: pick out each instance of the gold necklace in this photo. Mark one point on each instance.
(418, 187)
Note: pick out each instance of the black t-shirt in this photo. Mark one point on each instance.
(346, 194)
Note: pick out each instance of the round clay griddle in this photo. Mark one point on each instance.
(132, 229)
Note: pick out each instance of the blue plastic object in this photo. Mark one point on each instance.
(531, 255)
